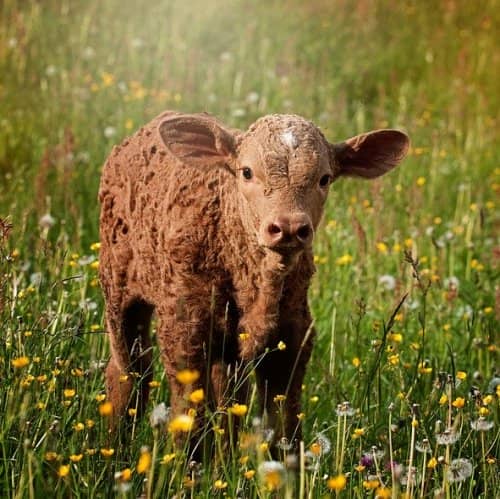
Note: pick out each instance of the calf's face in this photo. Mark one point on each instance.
(284, 167)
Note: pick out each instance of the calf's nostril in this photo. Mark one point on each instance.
(303, 232)
(274, 229)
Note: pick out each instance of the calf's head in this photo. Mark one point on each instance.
(284, 168)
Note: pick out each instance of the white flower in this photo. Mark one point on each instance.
(159, 415)
(459, 470)
(482, 424)
(272, 474)
(387, 281)
(109, 131)
(252, 98)
(46, 221)
(451, 282)
(50, 70)
(36, 278)
(448, 437)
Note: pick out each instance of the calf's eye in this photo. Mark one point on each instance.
(247, 173)
(325, 180)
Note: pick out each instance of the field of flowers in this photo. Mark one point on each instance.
(402, 393)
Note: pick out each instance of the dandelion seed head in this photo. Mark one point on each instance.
(272, 474)
(482, 424)
(459, 470)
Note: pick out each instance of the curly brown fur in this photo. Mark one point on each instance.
(224, 261)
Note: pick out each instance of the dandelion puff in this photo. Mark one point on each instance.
(482, 424)
(46, 221)
(109, 132)
(159, 415)
(284, 444)
(447, 437)
(272, 474)
(387, 281)
(325, 446)
(409, 476)
(423, 446)
(459, 470)
(345, 410)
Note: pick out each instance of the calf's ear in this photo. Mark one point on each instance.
(370, 154)
(198, 139)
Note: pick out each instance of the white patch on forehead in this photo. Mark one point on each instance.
(289, 139)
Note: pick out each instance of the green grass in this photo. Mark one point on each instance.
(77, 77)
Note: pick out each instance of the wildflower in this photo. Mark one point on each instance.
(345, 259)
(182, 423)
(89, 423)
(69, 393)
(382, 247)
(314, 399)
(107, 452)
(20, 362)
(383, 493)
(388, 282)
(459, 402)
(488, 399)
(421, 181)
(159, 415)
(106, 409)
(344, 410)
(264, 447)
(423, 446)
(132, 411)
(46, 221)
(197, 396)
(78, 426)
(461, 375)
(395, 337)
(366, 460)
(279, 398)
(187, 376)
(371, 484)
(124, 475)
(63, 470)
(75, 458)
(95, 246)
(238, 410)
(301, 416)
(281, 345)
(337, 483)
(272, 474)
(154, 384)
(358, 433)
(443, 399)
(244, 336)
(220, 485)
(144, 462)
(432, 463)
(123, 378)
(483, 411)
(356, 362)
(50, 456)
(109, 132)
(459, 470)
(100, 397)
(249, 474)
(447, 437)
(482, 424)
(423, 368)
(167, 458)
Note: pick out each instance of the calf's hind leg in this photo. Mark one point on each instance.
(131, 356)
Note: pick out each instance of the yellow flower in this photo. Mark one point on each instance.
(432, 463)
(144, 461)
(20, 362)
(124, 475)
(264, 447)
(358, 432)
(107, 79)
(383, 493)
(220, 485)
(272, 474)
(282, 345)
(69, 393)
(129, 124)
(182, 423)
(106, 409)
(443, 400)
(301, 416)
(459, 402)
(371, 484)
(95, 246)
(78, 426)
(238, 409)
(123, 378)
(95, 327)
(187, 376)
(461, 375)
(484, 411)
(249, 474)
(421, 181)
(63, 470)
(244, 336)
(315, 448)
(197, 396)
(100, 397)
(382, 247)
(75, 458)
(396, 337)
(488, 399)
(167, 458)
(314, 399)
(50, 456)
(356, 362)
(94, 265)
(107, 452)
(89, 423)
(337, 483)
(345, 259)
(154, 384)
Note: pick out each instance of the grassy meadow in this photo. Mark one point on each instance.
(402, 393)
